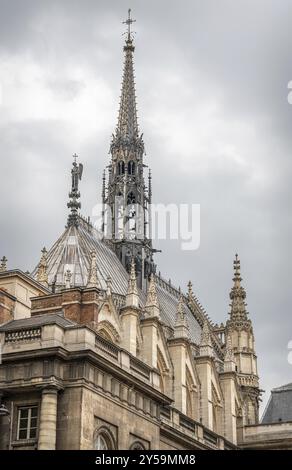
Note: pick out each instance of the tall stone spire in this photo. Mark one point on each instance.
(127, 127)
(127, 200)
(240, 348)
(74, 195)
(237, 295)
(42, 275)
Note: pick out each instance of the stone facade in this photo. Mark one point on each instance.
(102, 376)
(100, 352)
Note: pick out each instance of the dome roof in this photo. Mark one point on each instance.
(72, 251)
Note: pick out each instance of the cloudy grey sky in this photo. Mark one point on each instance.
(212, 92)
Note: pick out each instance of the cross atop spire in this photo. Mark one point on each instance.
(129, 23)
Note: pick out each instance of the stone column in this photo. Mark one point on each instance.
(48, 419)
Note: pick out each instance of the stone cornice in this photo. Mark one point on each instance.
(96, 359)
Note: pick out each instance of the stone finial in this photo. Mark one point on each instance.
(206, 348)
(132, 298)
(68, 276)
(93, 280)
(42, 274)
(152, 304)
(109, 286)
(3, 265)
(181, 327)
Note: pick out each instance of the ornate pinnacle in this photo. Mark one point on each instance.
(68, 276)
(181, 327)
(206, 336)
(236, 266)
(206, 348)
(132, 286)
(152, 305)
(132, 298)
(3, 266)
(237, 295)
(74, 204)
(42, 275)
(93, 280)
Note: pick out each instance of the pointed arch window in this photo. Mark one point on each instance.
(121, 167)
(131, 167)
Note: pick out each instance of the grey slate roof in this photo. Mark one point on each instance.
(36, 321)
(279, 407)
(168, 304)
(73, 251)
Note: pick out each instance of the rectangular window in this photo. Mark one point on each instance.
(27, 422)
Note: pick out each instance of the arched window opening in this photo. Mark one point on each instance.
(101, 443)
(104, 440)
(121, 167)
(131, 167)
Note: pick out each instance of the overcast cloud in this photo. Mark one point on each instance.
(212, 99)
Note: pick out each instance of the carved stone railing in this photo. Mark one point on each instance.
(250, 381)
(140, 368)
(211, 438)
(165, 413)
(118, 300)
(30, 334)
(107, 347)
(187, 422)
